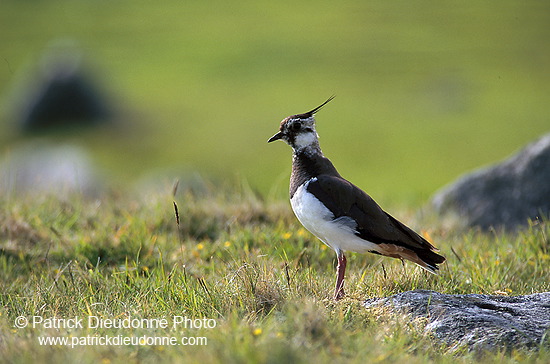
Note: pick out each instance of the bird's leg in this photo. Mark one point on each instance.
(340, 271)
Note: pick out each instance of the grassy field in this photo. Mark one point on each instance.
(240, 262)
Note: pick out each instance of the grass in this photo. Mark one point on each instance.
(243, 262)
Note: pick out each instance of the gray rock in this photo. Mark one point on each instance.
(60, 93)
(43, 168)
(505, 195)
(476, 321)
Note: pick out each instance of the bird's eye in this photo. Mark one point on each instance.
(296, 126)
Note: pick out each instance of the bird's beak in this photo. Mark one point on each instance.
(277, 136)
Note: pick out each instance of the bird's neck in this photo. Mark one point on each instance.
(311, 149)
(306, 143)
(307, 164)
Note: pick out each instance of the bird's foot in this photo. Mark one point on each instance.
(339, 294)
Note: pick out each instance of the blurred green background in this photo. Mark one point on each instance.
(425, 90)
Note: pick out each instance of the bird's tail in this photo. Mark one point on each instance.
(429, 260)
(424, 257)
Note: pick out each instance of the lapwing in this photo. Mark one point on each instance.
(339, 213)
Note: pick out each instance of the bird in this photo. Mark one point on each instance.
(337, 212)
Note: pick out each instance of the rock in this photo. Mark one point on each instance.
(505, 195)
(62, 93)
(476, 321)
(43, 168)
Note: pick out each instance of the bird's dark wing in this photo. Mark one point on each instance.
(343, 198)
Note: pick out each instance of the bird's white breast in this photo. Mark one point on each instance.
(319, 220)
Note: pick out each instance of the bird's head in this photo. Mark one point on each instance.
(298, 131)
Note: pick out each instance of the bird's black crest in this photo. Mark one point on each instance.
(312, 112)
